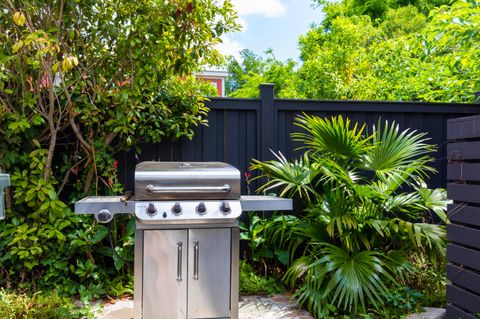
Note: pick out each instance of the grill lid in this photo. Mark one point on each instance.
(186, 180)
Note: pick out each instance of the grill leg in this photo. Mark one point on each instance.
(138, 275)
(235, 255)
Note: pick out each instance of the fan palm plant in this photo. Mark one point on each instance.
(366, 202)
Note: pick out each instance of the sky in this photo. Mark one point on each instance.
(274, 24)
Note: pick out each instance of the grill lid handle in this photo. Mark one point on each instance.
(188, 189)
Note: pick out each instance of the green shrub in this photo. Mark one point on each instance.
(367, 211)
(76, 88)
(252, 283)
(39, 306)
(429, 277)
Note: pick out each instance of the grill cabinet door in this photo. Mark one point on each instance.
(209, 273)
(165, 274)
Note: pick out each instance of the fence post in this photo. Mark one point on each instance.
(268, 122)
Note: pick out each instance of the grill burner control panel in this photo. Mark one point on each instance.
(171, 211)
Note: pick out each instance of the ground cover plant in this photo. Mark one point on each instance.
(79, 82)
(368, 210)
(40, 305)
(254, 282)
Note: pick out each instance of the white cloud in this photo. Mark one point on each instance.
(244, 8)
(243, 23)
(230, 47)
(266, 8)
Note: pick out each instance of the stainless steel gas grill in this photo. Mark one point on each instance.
(187, 237)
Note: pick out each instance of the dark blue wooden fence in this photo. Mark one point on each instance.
(242, 129)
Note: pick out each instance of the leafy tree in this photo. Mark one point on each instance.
(79, 81)
(405, 57)
(331, 59)
(375, 9)
(245, 77)
(237, 70)
(367, 211)
(379, 50)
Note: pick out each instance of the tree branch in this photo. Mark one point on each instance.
(67, 174)
(73, 125)
(60, 20)
(51, 124)
(110, 137)
(78, 134)
(89, 179)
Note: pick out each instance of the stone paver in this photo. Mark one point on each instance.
(121, 309)
(253, 307)
(276, 307)
(430, 313)
(250, 307)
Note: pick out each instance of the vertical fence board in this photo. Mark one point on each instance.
(232, 138)
(209, 141)
(220, 136)
(164, 150)
(282, 128)
(251, 149)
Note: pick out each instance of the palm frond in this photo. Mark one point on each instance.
(289, 232)
(398, 154)
(334, 136)
(290, 178)
(418, 234)
(336, 215)
(435, 200)
(402, 203)
(342, 279)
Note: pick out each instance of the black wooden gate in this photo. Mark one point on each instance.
(463, 251)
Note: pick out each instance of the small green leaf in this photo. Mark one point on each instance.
(100, 234)
(52, 194)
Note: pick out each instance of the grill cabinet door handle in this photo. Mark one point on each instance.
(179, 261)
(188, 189)
(195, 259)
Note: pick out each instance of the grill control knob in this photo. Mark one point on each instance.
(151, 210)
(177, 209)
(225, 208)
(201, 208)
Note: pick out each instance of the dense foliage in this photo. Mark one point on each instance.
(375, 9)
(251, 283)
(384, 50)
(368, 210)
(39, 306)
(244, 77)
(80, 81)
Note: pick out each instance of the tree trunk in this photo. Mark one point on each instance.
(50, 119)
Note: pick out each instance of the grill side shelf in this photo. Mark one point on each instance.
(265, 203)
(95, 204)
